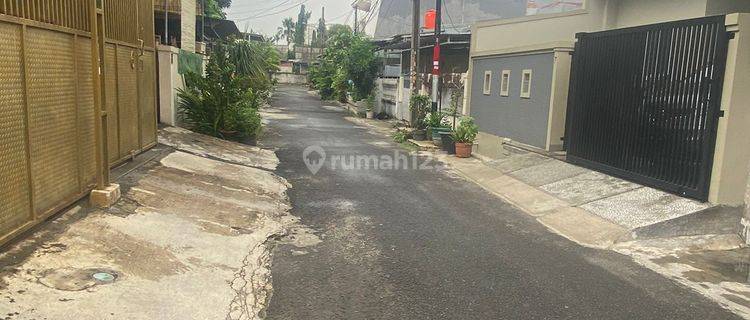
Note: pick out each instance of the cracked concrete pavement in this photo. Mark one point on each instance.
(190, 239)
(204, 225)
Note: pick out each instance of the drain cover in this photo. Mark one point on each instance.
(104, 277)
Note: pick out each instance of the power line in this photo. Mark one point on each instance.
(339, 17)
(447, 12)
(255, 12)
(273, 13)
(348, 17)
(372, 14)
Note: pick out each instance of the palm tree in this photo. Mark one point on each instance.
(287, 29)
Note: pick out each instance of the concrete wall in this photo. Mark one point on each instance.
(639, 12)
(716, 7)
(290, 78)
(500, 35)
(187, 39)
(521, 119)
(387, 95)
(729, 179)
(169, 82)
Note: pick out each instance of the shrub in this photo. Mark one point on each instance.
(256, 61)
(436, 120)
(347, 66)
(225, 102)
(419, 106)
(399, 136)
(370, 101)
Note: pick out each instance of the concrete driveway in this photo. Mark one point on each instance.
(190, 239)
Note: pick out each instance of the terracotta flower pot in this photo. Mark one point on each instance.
(463, 150)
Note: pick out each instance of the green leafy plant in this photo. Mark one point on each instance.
(370, 101)
(225, 102)
(287, 30)
(215, 8)
(400, 136)
(255, 61)
(348, 65)
(340, 86)
(466, 132)
(436, 120)
(419, 105)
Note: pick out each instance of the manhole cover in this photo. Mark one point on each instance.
(104, 277)
(73, 279)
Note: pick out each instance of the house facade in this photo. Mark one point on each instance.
(521, 72)
(393, 83)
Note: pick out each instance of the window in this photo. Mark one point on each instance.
(487, 82)
(526, 84)
(505, 83)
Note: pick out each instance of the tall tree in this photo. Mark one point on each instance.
(288, 30)
(215, 8)
(301, 27)
(321, 33)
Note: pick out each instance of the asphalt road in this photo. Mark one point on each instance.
(426, 244)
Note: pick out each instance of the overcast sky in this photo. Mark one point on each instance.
(269, 13)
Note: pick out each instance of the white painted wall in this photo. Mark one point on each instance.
(169, 82)
(533, 30)
(528, 32)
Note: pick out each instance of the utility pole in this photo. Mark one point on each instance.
(436, 88)
(415, 48)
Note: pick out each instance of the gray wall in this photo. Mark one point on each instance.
(523, 120)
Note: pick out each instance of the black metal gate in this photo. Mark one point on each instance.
(644, 103)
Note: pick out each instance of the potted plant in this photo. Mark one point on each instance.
(370, 106)
(435, 121)
(464, 136)
(448, 144)
(419, 106)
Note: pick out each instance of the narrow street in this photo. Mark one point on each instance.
(426, 244)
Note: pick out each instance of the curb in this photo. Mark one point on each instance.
(560, 217)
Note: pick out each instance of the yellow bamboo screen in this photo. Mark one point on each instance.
(73, 14)
(146, 20)
(121, 20)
